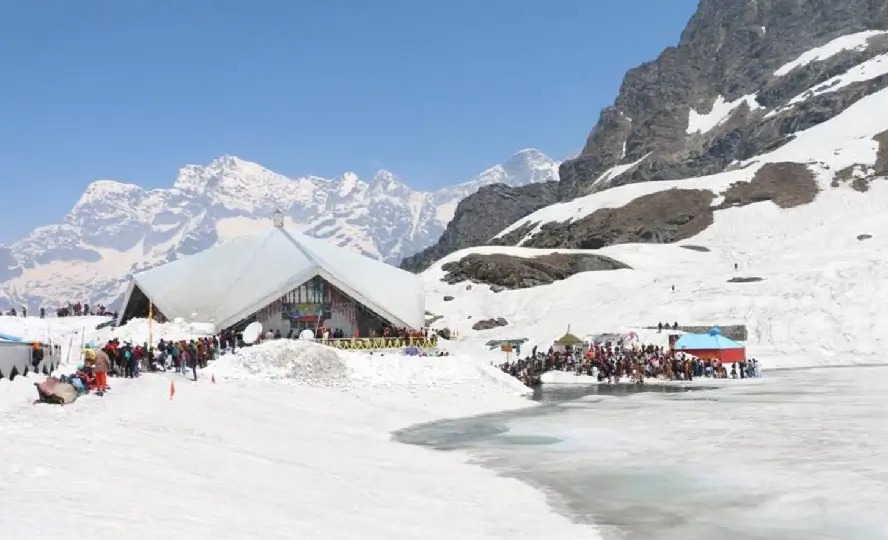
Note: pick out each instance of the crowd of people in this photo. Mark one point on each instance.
(613, 362)
(76, 309)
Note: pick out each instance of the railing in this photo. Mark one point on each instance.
(372, 344)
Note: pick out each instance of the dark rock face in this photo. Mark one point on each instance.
(745, 280)
(882, 157)
(659, 218)
(509, 272)
(481, 216)
(514, 237)
(785, 184)
(489, 324)
(860, 176)
(730, 49)
(701, 249)
(862, 237)
(448, 298)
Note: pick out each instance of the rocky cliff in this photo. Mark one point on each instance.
(745, 76)
(728, 91)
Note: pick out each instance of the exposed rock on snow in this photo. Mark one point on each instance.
(701, 249)
(296, 361)
(488, 324)
(864, 236)
(881, 165)
(514, 236)
(662, 217)
(785, 184)
(859, 176)
(480, 217)
(510, 272)
(751, 279)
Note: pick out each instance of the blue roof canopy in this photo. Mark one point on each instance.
(7, 337)
(710, 341)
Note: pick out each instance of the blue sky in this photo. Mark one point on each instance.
(432, 91)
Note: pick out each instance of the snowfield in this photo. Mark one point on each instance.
(291, 441)
(823, 298)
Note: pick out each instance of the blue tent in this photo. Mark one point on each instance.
(711, 341)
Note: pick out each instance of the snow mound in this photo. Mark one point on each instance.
(302, 362)
(307, 363)
(394, 370)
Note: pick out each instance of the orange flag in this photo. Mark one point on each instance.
(172, 389)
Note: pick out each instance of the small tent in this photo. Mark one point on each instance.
(567, 340)
(711, 346)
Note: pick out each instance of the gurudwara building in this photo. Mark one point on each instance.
(287, 281)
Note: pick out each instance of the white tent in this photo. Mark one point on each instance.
(231, 281)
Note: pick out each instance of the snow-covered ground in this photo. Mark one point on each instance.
(282, 445)
(824, 293)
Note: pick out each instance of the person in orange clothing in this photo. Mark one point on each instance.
(100, 370)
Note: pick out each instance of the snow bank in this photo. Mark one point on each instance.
(136, 331)
(44, 330)
(298, 361)
(18, 392)
(307, 363)
(393, 370)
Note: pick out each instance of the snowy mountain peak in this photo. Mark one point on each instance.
(106, 192)
(529, 166)
(116, 228)
(384, 181)
(349, 183)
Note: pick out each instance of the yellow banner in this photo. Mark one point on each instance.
(375, 344)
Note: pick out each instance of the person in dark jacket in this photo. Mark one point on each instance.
(36, 355)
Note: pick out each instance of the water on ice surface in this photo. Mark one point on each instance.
(802, 455)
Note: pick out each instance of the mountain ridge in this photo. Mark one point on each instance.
(744, 78)
(117, 228)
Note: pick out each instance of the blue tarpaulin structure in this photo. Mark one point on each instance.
(712, 340)
(712, 346)
(7, 337)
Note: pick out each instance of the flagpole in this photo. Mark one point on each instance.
(150, 332)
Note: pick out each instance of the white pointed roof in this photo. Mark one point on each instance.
(230, 281)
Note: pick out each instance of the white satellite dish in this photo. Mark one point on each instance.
(306, 334)
(252, 331)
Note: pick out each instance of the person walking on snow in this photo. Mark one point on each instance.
(103, 364)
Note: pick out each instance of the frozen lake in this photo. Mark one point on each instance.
(800, 455)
